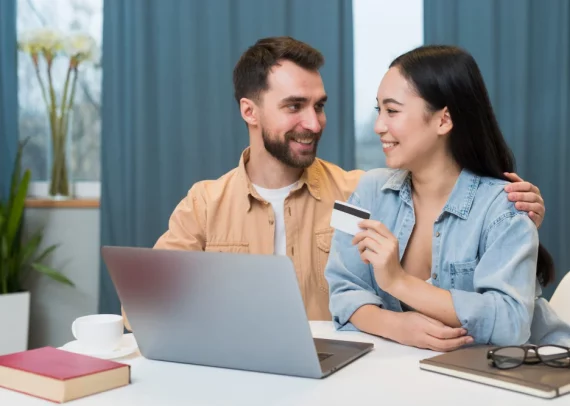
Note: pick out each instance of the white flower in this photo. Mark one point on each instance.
(81, 47)
(41, 39)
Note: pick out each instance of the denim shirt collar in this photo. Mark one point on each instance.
(461, 197)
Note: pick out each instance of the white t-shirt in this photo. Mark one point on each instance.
(277, 199)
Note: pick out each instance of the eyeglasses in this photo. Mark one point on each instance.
(513, 356)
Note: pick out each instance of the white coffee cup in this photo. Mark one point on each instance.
(98, 332)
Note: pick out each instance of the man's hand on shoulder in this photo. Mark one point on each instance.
(526, 197)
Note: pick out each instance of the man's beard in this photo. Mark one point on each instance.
(282, 150)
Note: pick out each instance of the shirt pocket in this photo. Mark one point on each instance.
(233, 247)
(323, 243)
(462, 274)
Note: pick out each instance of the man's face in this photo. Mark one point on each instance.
(292, 116)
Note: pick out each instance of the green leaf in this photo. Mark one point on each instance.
(16, 182)
(16, 173)
(52, 273)
(16, 208)
(4, 248)
(2, 217)
(46, 252)
(18, 258)
(29, 249)
(3, 277)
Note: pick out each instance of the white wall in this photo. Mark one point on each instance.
(383, 29)
(54, 306)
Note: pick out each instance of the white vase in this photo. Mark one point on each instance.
(15, 321)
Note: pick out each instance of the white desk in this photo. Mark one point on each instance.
(389, 375)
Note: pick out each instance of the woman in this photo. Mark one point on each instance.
(444, 246)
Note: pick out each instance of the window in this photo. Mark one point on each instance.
(66, 16)
(383, 29)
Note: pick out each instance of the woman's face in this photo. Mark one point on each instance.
(409, 132)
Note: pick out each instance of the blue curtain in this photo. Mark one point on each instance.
(8, 93)
(169, 118)
(523, 50)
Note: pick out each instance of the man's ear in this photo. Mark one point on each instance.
(445, 122)
(248, 110)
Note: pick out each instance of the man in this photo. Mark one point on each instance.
(280, 197)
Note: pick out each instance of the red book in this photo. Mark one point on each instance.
(60, 376)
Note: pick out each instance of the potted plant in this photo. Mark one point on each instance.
(19, 258)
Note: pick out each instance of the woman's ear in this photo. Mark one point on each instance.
(248, 111)
(445, 122)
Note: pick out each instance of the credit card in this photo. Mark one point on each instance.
(345, 217)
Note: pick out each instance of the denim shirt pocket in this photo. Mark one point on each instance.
(462, 274)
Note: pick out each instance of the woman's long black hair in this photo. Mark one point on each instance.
(448, 76)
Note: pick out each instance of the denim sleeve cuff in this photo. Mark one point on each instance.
(346, 303)
(475, 315)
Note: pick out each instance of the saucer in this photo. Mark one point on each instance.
(127, 346)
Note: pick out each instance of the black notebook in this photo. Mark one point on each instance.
(472, 364)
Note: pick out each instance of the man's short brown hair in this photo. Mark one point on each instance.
(252, 69)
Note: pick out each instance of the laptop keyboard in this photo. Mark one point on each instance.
(323, 356)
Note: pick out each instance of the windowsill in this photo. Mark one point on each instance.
(85, 195)
(72, 203)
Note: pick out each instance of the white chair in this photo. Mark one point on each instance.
(560, 300)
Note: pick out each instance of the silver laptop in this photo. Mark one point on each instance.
(239, 311)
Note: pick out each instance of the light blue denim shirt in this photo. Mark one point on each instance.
(484, 251)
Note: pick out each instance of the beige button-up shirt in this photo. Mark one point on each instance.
(228, 215)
